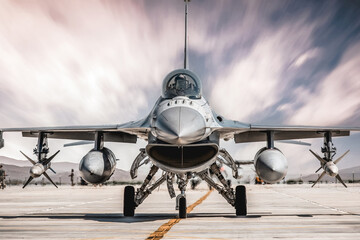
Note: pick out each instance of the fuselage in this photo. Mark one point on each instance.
(181, 120)
(184, 136)
(181, 126)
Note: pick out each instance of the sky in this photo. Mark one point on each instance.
(103, 62)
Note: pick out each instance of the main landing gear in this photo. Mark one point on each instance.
(129, 201)
(132, 199)
(240, 201)
(237, 199)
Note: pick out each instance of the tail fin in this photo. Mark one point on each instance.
(321, 176)
(341, 157)
(30, 160)
(28, 181)
(186, 64)
(340, 180)
(47, 176)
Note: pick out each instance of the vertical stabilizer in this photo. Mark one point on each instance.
(186, 63)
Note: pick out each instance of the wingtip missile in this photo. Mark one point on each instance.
(329, 167)
(41, 166)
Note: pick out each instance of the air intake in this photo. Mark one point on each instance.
(182, 158)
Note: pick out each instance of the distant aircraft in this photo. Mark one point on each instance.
(183, 135)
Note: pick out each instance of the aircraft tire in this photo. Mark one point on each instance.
(182, 208)
(240, 200)
(129, 201)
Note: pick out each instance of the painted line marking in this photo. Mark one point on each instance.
(163, 229)
(314, 203)
(67, 206)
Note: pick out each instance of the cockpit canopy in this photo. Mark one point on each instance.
(181, 82)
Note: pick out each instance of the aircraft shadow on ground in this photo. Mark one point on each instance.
(149, 217)
(100, 217)
(292, 215)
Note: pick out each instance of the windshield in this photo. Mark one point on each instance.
(182, 84)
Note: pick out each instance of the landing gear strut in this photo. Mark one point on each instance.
(132, 199)
(181, 198)
(237, 199)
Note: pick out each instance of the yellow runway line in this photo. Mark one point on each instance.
(163, 229)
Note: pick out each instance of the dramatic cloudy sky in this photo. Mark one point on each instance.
(98, 62)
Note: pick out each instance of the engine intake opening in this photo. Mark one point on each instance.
(187, 156)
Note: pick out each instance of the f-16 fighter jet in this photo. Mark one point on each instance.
(183, 138)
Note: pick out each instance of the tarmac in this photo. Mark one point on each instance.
(274, 211)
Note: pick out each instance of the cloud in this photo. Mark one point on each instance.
(306, 56)
(59, 58)
(255, 80)
(336, 97)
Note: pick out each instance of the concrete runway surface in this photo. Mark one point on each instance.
(275, 211)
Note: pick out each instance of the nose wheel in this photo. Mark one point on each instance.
(182, 207)
(129, 201)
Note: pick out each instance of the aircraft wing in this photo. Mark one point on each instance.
(127, 132)
(243, 133)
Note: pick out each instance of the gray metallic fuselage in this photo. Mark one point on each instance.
(180, 121)
(183, 136)
(180, 128)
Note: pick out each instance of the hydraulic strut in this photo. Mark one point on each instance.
(328, 149)
(226, 191)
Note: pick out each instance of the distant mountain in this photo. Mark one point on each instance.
(11, 161)
(19, 170)
(346, 174)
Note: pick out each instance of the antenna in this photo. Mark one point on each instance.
(186, 36)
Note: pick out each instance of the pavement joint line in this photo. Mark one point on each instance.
(69, 205)
(163, 229)
(315, 203)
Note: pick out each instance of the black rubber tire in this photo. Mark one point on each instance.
(240, 201)
(182, 208)
(129, 201)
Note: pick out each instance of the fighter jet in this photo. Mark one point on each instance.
(183, 138)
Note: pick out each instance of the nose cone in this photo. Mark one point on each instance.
(180, 125)
(37, 170)
(331, 169)
(271, 166)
